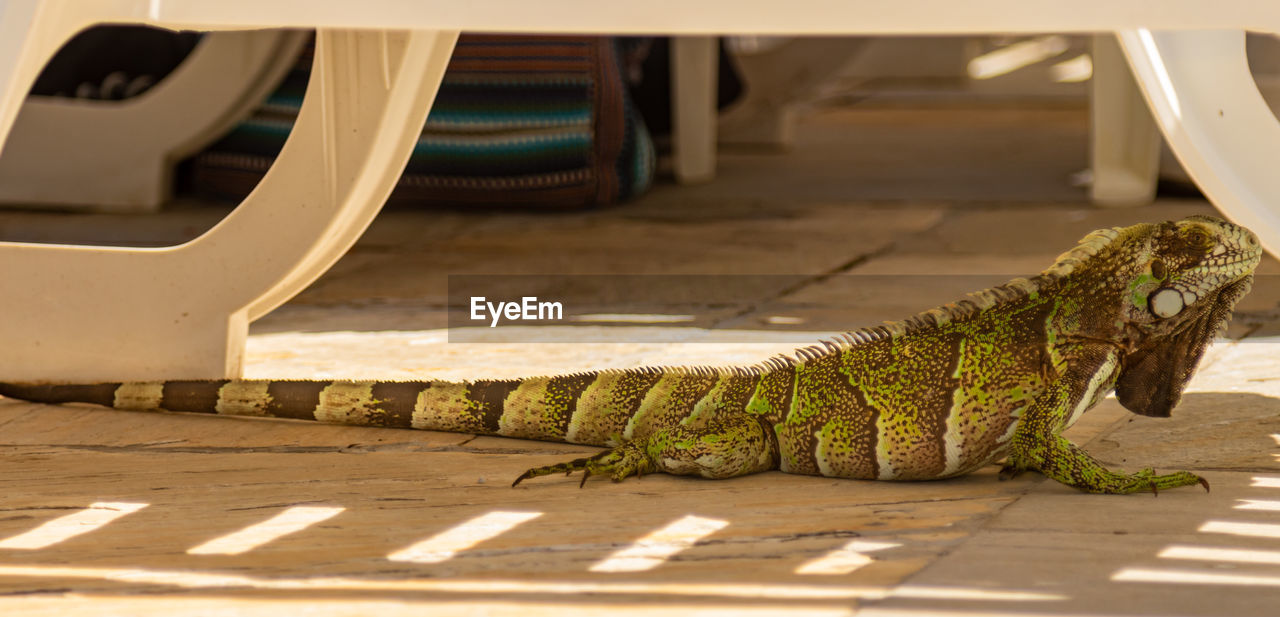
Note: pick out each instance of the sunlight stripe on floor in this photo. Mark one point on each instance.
(191, 579)
(1264, 482)
(66, 527)
(291, 520)
(845, 559)
(1236, 555)
(1189, 577)
(446, 544)
(1258, 504)
(650, 551)
(1253, 530)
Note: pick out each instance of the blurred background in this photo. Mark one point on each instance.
(130, 119)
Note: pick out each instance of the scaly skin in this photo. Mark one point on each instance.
(999, 374)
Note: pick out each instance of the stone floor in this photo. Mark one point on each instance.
(876, 214)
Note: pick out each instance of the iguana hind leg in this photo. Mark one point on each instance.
(736, 446)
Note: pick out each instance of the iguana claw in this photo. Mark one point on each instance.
(618, 463)
(1146, 479)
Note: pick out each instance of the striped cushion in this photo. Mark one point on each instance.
(519, 120)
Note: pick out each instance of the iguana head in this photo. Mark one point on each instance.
(1161, 293)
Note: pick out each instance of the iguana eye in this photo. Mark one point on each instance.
(1198, 237)
(1166, 303)
(1158, 270)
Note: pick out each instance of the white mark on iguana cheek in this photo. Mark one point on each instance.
(1167, 303)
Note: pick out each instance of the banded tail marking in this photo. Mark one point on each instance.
(670, 400)
(139, 396)
(543, 408)
(243, 398)
(97, 394)
(294, 399)
(607, 405)
(464, 407)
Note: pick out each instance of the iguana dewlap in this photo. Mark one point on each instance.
(998, 375)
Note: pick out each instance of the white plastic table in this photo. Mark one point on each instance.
(97, 313)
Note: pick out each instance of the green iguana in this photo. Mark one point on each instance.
(999, 374)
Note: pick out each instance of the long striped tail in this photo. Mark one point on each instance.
(588, 408)
(603, 408)
(474, 407)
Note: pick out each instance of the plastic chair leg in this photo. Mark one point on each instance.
(75, 313)
(1124, 141)
(695, 69)
(1206, 102)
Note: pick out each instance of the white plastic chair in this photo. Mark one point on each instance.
(82, 313)
(1124, 140)
(118, 156)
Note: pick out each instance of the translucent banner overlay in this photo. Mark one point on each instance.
(731, 307)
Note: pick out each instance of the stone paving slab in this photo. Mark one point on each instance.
(910, 156)
(1128, 556)
(203, 477)
(1229, 417)
(1028, 229)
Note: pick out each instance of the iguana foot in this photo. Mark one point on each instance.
(617, 463)
(1144, 480)
(722, 448)
(1065, 462)
(1009, 472)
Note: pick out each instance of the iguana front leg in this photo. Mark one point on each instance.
(1069, 464)
(1037, 444)
(735, 446)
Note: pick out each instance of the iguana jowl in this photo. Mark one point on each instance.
(999, 374)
